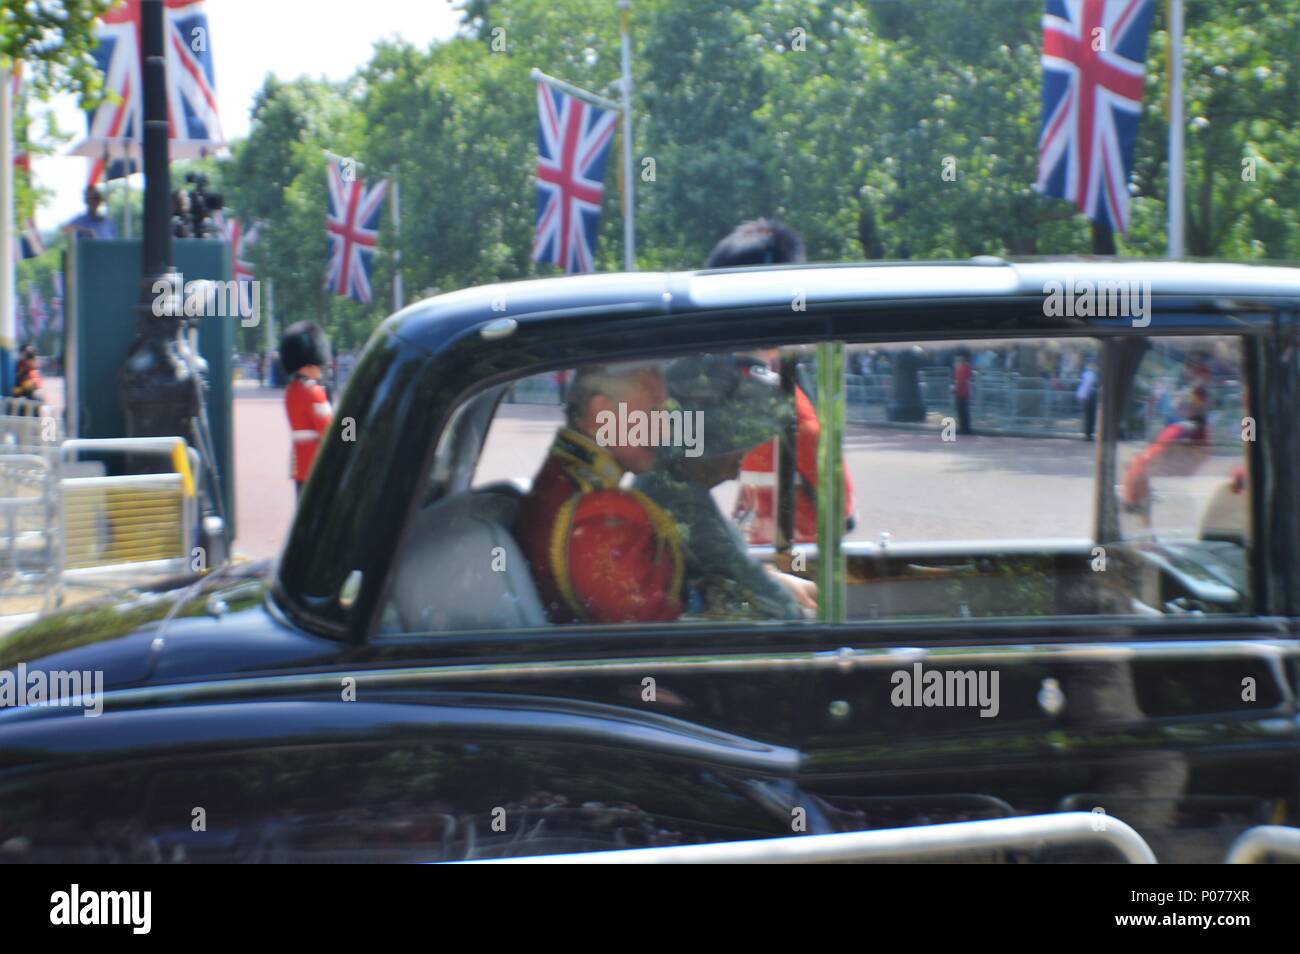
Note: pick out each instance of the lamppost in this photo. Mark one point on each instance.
(156, 381)
(163, 382)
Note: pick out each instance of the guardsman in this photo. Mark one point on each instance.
(1179, 449)
(599, 553)
(735, 408)
(304, 351)
(765, 242)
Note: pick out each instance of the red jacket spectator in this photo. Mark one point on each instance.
(758, 481)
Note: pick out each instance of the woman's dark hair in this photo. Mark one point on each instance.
(760, 242)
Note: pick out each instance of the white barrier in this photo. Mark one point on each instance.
(1264, 841)
(918, 843)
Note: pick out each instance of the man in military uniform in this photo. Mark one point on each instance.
(304, 351)
(599, 553)
(1179, 449)
(740, 404)
(765, 242)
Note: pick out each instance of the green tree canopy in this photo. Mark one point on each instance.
(878, 130)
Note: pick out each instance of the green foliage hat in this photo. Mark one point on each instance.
(738, 399)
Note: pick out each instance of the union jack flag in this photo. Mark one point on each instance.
(241, 270)
(352, 224)
(56, 303)
(1094, 54)
(573, 141)
(28, 242)
(191, 84)
(35, 323)
(22, 159)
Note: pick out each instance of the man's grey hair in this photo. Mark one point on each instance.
(615, 381)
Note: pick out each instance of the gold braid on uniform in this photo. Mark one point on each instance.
(669, 533)
(559, 553)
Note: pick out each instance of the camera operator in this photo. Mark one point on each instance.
(181, 214)
(202, 205)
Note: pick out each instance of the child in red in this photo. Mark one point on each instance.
(27, 376)
(304, 350)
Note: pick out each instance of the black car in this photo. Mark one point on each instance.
(1012, 622)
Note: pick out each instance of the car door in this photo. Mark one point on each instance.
(1016, 652)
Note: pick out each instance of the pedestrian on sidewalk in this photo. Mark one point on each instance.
(1087, 395)
(765, 242)
(961, 389)
(304, 352)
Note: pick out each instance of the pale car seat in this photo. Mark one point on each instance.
(1227, 515)
(463, 569)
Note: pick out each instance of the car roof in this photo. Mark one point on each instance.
(436, 319)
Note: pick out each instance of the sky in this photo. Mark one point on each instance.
(250, 38)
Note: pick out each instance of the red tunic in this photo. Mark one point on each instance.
(1179, 449)
(598, 554)
(309, 417)
(27, 377)
(758, 480)
(961, 376)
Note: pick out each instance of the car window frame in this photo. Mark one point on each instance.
(884, 632)
(965, 319)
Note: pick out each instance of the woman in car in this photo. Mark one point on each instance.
(739, 406)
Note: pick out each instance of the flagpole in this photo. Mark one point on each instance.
(1176, 222)
(629, 206)
(396, 204)
(7, 271)
(577, 92)
(625, 107)
(270, 332)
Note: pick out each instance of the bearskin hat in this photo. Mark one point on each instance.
(760, 242)
(303, 343)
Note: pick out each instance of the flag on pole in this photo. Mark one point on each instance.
(22, 159)
(241, 270)
(56, 304)
(116, 128)
(573, 140)
(29, 243)
(35, 312)
(352, 225)
(1094, 54)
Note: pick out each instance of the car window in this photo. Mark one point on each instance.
(633, 493)
(993, 482)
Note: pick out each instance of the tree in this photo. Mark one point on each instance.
(276, 177)
(884, 130)
(55, 39)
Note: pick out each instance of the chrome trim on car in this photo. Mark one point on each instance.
(844, 659)
(918, 843)
(1256, 844)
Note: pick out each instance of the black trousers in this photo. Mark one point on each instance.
(1090, 415)
(963, 416)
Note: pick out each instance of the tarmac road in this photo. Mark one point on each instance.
(910, 484)
(915, 486)
(264, 497)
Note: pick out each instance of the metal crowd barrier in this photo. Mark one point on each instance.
(63, 523)
(918, 843)
(1256, 844)
(27, 426)
(29, 567)
(130, 525)
(1030, 404)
